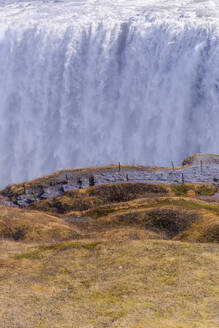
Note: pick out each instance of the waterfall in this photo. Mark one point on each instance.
(85, 83)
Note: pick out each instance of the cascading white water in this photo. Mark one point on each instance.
(93, 82)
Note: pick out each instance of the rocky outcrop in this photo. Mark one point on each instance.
(203, 169)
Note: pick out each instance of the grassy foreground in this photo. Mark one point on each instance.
(128, 255)
(90, 284)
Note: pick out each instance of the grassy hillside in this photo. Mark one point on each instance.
(32, 226)
(139, 209)
(130, 255)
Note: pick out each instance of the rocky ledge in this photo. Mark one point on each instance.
(199, 169)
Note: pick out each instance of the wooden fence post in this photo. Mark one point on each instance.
(172, 165)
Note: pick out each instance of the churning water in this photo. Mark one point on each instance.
(93, 82)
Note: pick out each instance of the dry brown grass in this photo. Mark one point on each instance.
(17, 224)
(133, 284)
(166, 221)
(83, 199)
(142, 206)
(147, 207)
(113, 269)
(94, 197)
(169, 217)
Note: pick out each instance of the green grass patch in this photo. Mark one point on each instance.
(36, 254)
(182, 189)
(64, 246)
